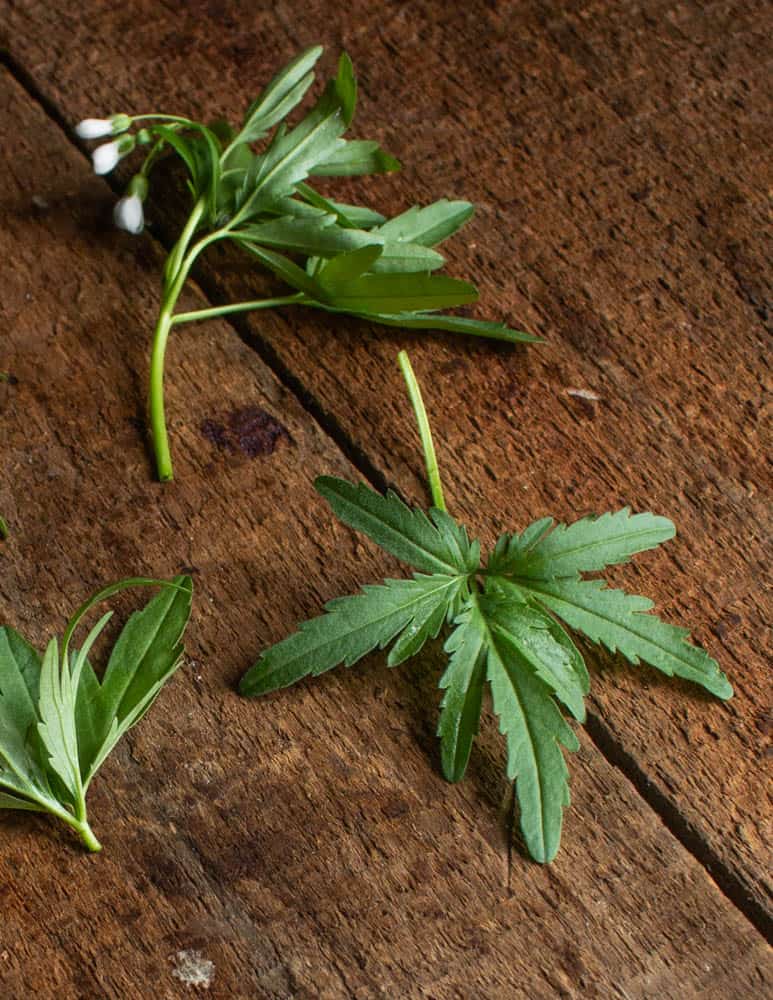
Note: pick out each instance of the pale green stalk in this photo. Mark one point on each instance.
(430, 459)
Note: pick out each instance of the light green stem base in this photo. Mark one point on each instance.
(78, 823)
(88, 838)
(430, 458)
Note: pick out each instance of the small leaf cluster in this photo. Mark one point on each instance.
(352, 259)
(59, 720)
(505, 619)
(336, 257)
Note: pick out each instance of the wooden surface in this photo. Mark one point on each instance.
(306, 844)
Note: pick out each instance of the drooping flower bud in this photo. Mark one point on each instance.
(98, 128)
(121, 123)
(128, 213)
(94, 128)
(138, 185)
(106, 156)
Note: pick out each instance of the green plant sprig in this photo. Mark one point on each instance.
(352, 259)
(504, 622)
(59, 721)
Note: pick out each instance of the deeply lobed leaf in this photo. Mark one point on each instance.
(534, 729)
(432, 544)
(585, 546)
(355, 626)
(537, 640)
(463, 683)
(619, 621)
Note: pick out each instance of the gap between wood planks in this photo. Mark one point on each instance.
(723, 876)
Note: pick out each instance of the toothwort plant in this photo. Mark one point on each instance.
(352, 259)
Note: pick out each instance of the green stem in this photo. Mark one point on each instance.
(178, 268)
(79, 822)
(430, 459)
(88, 838)
(178, 251)
(157, 414)
(4, 532)
(83, 828)
(200, 314)
(163, 118)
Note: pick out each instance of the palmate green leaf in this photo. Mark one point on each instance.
(285, 90)
(619, 621)
(534, 728)
(463, 683)
(58, 722)
(505, 621)
(431, 544)
(355, 626)
(537, 640)
(585, 546)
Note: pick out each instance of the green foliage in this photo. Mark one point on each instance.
(251, 186)
(503, 618)
(59, 721)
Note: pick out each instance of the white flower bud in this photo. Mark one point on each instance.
(128, 214)
(98, 128)
(94, 128)
(105, 157)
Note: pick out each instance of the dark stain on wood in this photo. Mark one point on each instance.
(250, 430)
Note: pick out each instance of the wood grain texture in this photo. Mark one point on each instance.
(619, 171)
(306, 844)
(317, 852)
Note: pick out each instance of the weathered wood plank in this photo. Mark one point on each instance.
(304, 844)
(618, 165)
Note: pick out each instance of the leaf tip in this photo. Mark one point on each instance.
(249, 685)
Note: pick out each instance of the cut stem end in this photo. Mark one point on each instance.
(88, 838)
(430, 459)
